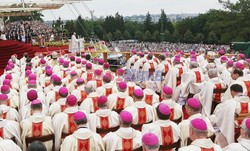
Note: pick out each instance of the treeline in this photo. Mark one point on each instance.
(213, 27)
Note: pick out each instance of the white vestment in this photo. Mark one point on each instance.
(242, 145)
(8, 145)
(199, 144)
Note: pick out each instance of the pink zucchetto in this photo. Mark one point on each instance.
(242, 56)
(107, 77)
(8, 76)
(182, 53)
(6, 82)
(102, 99)
(71, 100)
(63, 91)
(3, 97)
(73, 73)
(84, 62)
(248, 60)
(28, 68)
(177, 59)
(222, 52)
(141, 54)
(101, 61)
(79, 80)
(61, 61)
(194, 103)
(32, 82)
(28, 72)
(78, 60)
(47, 67)
(230, 63)
(89, 65)
(98, 72)
(193, 60)
(95, 59)
(247, 122)
(122, 85)
(5, 88)
(7, 68)
(223, 58)
(35, 102)
(66, 63)
(120, 71)
(167, 90)
(150, 139)
(138, 93)
(57, 79)
(164, 109)
(134, 51)
(11, 65)
(32, 95)
(199, 124)
(42, 61)
(239, 65)
(126, 116)
(72, 58)
(192, 52)
(32, 76)
(49, 72)
(79, 116)
(106, 65)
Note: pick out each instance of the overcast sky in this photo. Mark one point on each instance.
(132, 7)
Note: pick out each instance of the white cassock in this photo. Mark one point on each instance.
(185, 124)
(149, 65)
(171, 77)
(106, 89)
(24, 99)
(10, 129)
(10, 113)
(25, 111)
(123, 139)
(103, 119)
(44, 81)
(244, 82)
(88, 76)
(64, 123)
(150, 97)
(226, 76)
(192, 81)
(200, 145)
(80, 93)
(239, 104)
(8, 145)
(142, 112)
(176, 109)
(52, 96)
(163, 67)
(119, 100)
(242, 145)
(131, 86)
(83, 139)
(74, 44)
(90, 104)
(57, 107)
(96, 83)
(167, 131)
(37, 125)
(13, 99)
(131, 61)
(207, 95)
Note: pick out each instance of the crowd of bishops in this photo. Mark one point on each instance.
(158, 101)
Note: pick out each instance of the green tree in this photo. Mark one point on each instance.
(147, 36)
(212, 39)
(164, 23)
(70, 26)
(80, 27)
(138, 35)
(199, 38)
(168, 36)
(148, 24)
(188, 37)
(118, 35)
(156, 36)
(127, 35)
(176, 36)
(108, 37)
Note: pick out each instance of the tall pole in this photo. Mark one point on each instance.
(92, 20)
(161, 29)
(23, 3)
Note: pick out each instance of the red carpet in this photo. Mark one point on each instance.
(10, 47)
